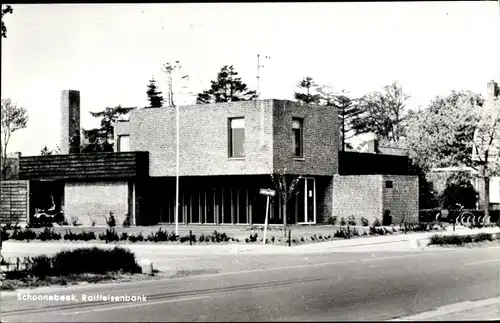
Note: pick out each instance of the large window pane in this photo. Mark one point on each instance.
(242, 206)
(297, 137)
(124, 143)
(237, 137)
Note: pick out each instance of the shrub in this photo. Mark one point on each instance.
(135, 238)
(340, 234)
(49, 234)
(110, 235)
(351, 220)
(75, 221)
(332, 220)
(111, 221)
(272, 239)
(354, 232)
(124, 236)
(158, 236)
(128, 221)
(94, 260)
(483, 237)
(253, 237)
(201, 238)
(39, 266)
(364, 221)
(376, 223)
(343, 221)
(26, 234)
(4, 234)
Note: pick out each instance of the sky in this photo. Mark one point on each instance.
(109, 52)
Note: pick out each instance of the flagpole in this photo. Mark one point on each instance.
(177, 172)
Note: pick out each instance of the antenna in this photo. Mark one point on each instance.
(258, 74)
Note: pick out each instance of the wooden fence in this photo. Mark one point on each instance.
(14, 202)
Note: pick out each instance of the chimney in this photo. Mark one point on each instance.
(70, 122)
(373, 146)
(492, 91)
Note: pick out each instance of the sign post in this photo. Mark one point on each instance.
(268, 193)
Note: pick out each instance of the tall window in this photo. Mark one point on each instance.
(236, 137)
(124, 143)
(297, 137)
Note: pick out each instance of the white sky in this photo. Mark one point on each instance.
(109, 52)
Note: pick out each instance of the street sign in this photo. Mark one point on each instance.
(268, 192)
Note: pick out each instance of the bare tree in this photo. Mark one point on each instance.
(286, 186)
(13, 118)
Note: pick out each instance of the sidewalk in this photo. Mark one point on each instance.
(488, 309)
(386, 242)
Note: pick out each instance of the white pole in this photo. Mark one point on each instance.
(265, 222)
(177, 173)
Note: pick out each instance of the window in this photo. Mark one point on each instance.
(297, 137)
(236, 137)
(124, 143)
(388, 184)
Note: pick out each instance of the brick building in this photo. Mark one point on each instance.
(227, 153)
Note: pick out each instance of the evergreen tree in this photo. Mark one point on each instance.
(307, 84)
(227, 88)
(154, 96)
(101, 139)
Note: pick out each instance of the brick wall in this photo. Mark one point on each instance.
(358, 195)
(402, 198)
(320, 138)
(86, 200)
(324, 200)
(203, 142)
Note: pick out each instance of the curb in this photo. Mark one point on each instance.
(452, 308)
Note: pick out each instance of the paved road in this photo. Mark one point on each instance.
(335, 286)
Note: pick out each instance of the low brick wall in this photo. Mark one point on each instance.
(94, 200)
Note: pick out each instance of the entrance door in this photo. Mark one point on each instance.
(306, 201)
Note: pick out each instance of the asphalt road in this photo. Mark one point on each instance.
(336, 286)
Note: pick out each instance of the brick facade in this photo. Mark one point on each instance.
(203, 140)
(358, 195)
(367, 196)
(402, 198)
(320, 139)
(204, 131)
(94, 200)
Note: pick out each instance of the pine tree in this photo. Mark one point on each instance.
(227, 88)
(154, 96)
(307, 83)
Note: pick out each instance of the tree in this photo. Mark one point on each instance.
(383, 113)
(459, 191)
(6, 10)
(154, 96)
(13, 118)
(227, 88)
(442, 134)
(101, 139)
(427, 196)
(347, 110)
(458, 130)
(486, 148)
(307, 84)
(286, 187)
